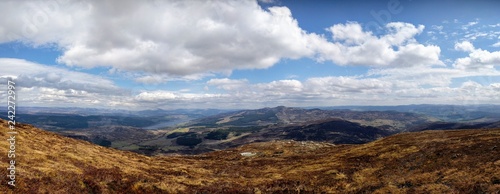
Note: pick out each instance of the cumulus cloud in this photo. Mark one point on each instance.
(478, 59)
(398, 47)
(464, 46)
(164, 37)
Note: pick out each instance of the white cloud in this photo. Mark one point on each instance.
(228, 84)
(156, 96)
(32, 74)
(41, 85)
(159, 37)
(267, 1)
(464, 46)
(357, 47)
(469, 24)
(494, 25)
(496, 44)
(347, 85)
(477, 59)
(351, 33)
(282, 87)
(475, 35)
(472, 23)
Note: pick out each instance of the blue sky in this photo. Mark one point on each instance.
(250, 54)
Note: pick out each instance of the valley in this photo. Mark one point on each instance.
(235, 128)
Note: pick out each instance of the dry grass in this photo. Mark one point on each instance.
(466, 161)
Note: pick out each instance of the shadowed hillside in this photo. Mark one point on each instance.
(457, 125)
(465, 161)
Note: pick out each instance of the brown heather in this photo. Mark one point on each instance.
(460, 161)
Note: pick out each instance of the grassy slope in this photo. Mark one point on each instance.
(55, 164)
(465, 161)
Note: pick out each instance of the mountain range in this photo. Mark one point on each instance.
(195, 134)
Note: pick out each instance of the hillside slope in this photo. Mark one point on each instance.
(51, 163)
(465, 161)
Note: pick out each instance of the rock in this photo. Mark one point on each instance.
(248, 154)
